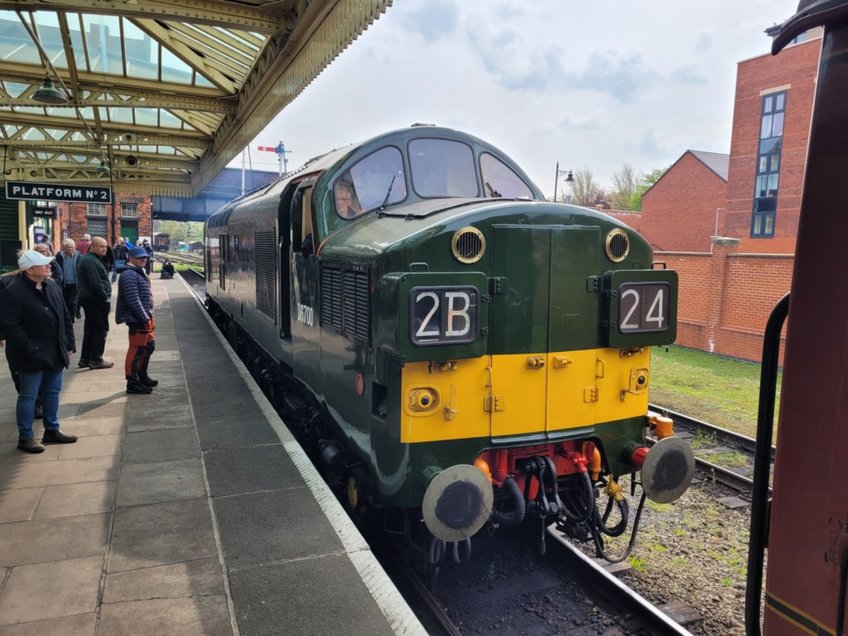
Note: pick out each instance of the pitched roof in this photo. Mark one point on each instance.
(715, 161)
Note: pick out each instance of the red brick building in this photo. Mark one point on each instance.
(131, 217)
(732, 239)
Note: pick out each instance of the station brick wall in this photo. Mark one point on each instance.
(727, 296)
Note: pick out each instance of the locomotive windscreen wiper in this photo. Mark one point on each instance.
(388, 192)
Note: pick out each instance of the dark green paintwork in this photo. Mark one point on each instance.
(544, 283)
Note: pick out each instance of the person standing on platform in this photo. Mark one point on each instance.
(135, 308)
(95, 293)
(55, 270)
(149, 249)
(39, 341)
(120, 252)
(84, 244)
(67, 260)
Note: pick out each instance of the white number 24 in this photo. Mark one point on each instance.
(655, 312)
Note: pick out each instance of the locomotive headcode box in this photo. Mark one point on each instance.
(642, 307)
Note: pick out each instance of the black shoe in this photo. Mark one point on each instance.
(29, 445)
(146, 380)
(103, 364)
(138, 388)
(82, 364)
(55, 436)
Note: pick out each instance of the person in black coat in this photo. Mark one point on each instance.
(39, 340)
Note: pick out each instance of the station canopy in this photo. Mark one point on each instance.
(155, 96)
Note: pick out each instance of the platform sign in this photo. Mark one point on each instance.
(31, 191)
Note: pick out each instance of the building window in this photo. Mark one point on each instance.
(129, 210)
(96, 209)
(768, 165)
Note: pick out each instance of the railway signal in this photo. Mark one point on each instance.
(280, 150)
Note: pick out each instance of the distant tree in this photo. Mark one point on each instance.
(646, 182)
(624, 185)
(585, 190)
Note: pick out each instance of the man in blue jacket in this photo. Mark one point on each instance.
(135, 307)
(39, 340)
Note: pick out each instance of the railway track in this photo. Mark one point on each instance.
(727, 457)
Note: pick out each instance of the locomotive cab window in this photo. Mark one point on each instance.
(442, 168)
(375, 181)
(500, 181)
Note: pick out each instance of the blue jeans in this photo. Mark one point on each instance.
(50, 382)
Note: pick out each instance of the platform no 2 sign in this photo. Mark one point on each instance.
(31, 191)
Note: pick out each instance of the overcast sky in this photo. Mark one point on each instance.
(589, 84)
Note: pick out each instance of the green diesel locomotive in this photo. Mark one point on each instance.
(475, 353)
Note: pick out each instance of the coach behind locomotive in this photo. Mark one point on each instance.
(478, 353)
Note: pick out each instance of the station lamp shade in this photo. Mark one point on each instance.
(49, 94)
(102, 168)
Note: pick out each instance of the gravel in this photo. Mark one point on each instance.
(694, 551)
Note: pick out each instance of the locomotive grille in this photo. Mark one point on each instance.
(617, 245)
(345, 301)
(266, 278)
(468, 245)
(331, 297)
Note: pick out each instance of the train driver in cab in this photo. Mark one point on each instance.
(345, 201)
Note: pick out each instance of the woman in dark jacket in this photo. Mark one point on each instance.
(39, 339)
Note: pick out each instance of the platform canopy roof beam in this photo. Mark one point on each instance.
(164, 92)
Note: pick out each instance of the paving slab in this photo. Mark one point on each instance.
(92, 446)
(19, 505)
(161, 481)
(259, 528)
(156, 418)
(309, 597)
(253, 469)
(197, 616)
(76, 499)
(201, 577)
(85, 426)
(78, 625)
(50, 590)
(231, 431)
(160, 445)
(157, 534)
(49, 473)
(45, 540)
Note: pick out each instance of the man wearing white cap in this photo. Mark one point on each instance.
(39, 340)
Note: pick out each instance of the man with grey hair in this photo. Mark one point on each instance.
(67, 260)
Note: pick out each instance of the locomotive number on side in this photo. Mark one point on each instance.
(443, 315)
(643, 307)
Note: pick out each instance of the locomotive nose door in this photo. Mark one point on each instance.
(542, 312)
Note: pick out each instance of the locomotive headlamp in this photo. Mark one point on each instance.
(617, 245)
(422, 399)
(468, 245)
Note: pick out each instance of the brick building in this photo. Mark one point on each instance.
(131, 218)
(732, 239)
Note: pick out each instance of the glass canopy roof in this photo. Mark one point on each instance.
(155, 91)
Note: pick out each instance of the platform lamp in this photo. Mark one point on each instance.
(49, 94)
(569, 178)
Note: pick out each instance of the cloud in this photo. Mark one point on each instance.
(704, 42)
(688, 75)
(438, 19)
(622, 78)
